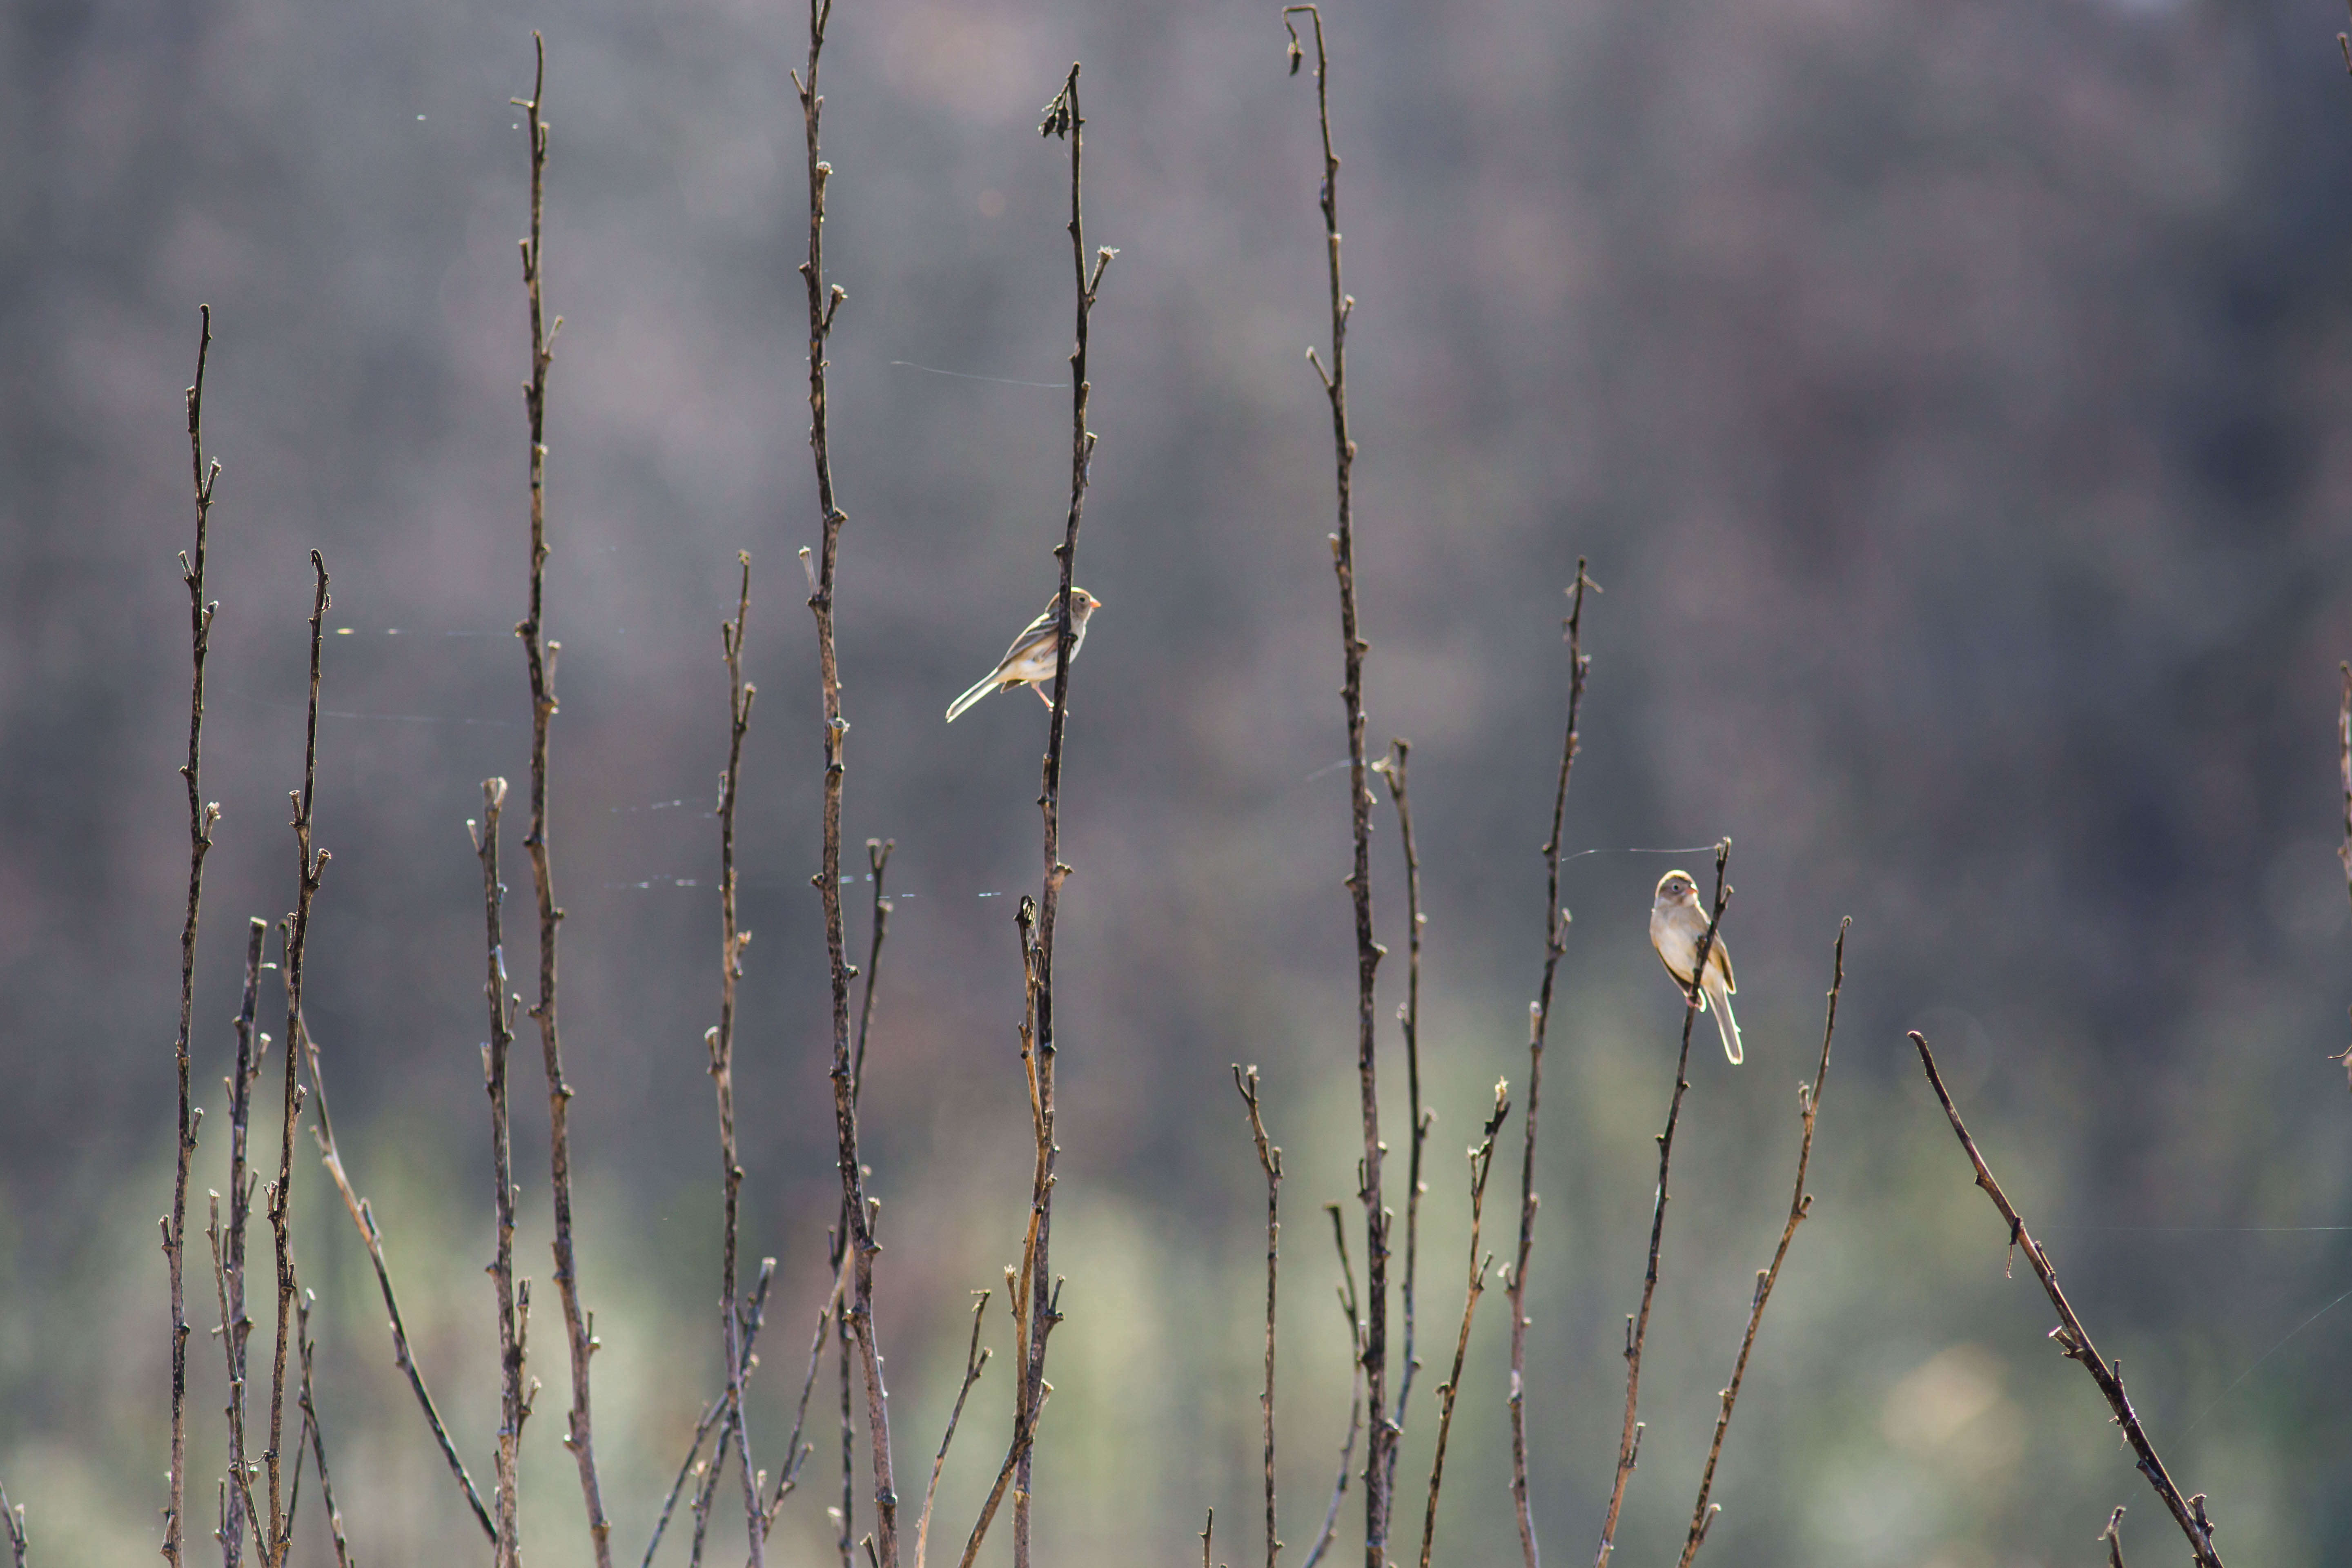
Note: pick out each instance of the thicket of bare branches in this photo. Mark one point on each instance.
(846, 1317)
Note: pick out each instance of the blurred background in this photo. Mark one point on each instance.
(1954, 404)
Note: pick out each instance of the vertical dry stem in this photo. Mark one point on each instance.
(1350, 1310)
(229, 1252)
(1063, 119)
(1392, 768)
(2113, 1536)
(1269, 1159)
(877, 861)
(1539, 1020)
(514, 1400)
(294, 934)
(2074, 1340)
(824, 300)
(1481, 1161)
(740, 695)
(2344, 746)
(1637, 1328)
(1800, 1205)
(540, 656)
(318, 1438)
(1383, 1431)
(201, 817)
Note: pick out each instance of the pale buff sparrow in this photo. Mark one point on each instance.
(1030, 660)
(1677, 922)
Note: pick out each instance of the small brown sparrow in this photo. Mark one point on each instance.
(1030, 660)
(1677, 922)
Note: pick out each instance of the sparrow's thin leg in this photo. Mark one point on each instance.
(1041, 696)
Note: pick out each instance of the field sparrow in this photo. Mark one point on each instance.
(1030, 660)
(1677, 922)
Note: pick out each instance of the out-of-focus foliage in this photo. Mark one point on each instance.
(1953, 403)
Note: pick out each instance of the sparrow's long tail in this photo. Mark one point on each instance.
(1725, 1024)
(981, 688)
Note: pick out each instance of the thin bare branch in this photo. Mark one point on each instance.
(716, 1408)
(538, 658)
(1063, 118)
(319, 1438)
(975, 1362)
(2344, 746)
(722, 1041)
(1349, 1308)
(11, 1519)
(878, 861)
(2113, 1536)
(1637, 1328)
(858, 1233)
(1800, 1205)
(294, 935)
(1270, 1161)
(514, 1399)
(364, 1217)
(2074, 1340)
(228, 1249)
(1539, 1021)
(1378, 1464)
(1392, 768)
(201, 818)
(1481, 1161)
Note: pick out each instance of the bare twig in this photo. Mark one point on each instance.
(2074, 1340)
(856, 1220)
(317, 1439)
(1208, 1537)
(1269, 1159)
(722, 1041)
(364, 1216)
(294, 935)
(539, 657)
(1800, 1205)
(201, 818)
(514, 1400)
(2344, 745)
(1481, 1161)
(847, 1511)
(716, 1408)
(1392, 768)
(1382, 1431)
(228, 1249)
(1539, 1020)
(1637, 1328)
(1063, 118)
(1349, 1308)
(878, 861)
(11, 1519)
(2113, 1536)
(975, 1362)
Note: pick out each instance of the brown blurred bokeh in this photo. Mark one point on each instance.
(1952, 402)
